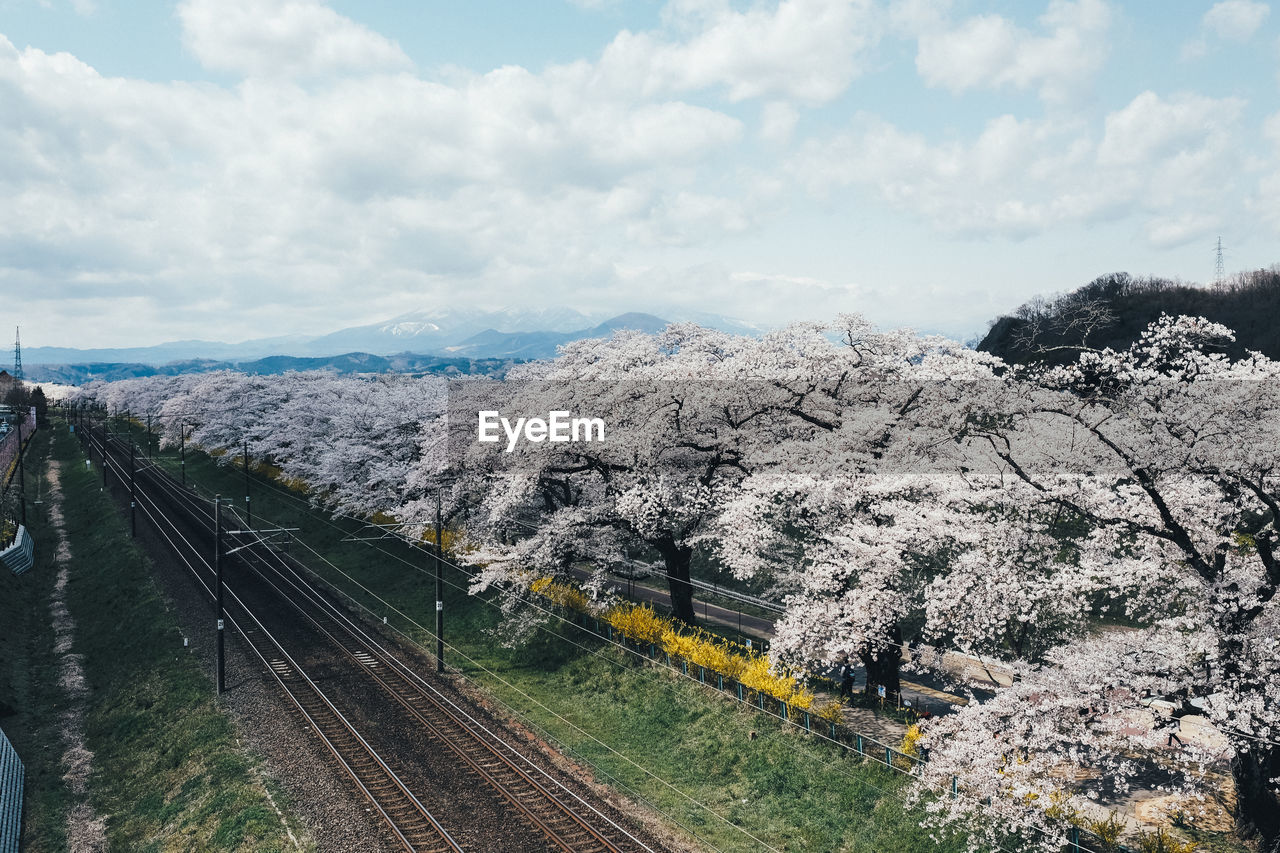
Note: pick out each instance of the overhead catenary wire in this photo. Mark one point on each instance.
(456, 650)
(309, 510)
(357, 519)
(507, 683)
(309, 507)
(196, 572)
(289, 574)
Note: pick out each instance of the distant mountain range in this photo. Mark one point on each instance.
(447, 340)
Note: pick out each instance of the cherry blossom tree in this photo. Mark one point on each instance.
(675, 440)
(353, 440)
(1168, 452)
(886, 483)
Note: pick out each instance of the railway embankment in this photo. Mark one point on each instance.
(124, 745)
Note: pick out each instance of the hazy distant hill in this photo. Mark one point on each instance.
(534, 345)
(352, 362)
(441, 330)
(452, 332)
(1112, 311)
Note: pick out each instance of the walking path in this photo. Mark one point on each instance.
(86, 831)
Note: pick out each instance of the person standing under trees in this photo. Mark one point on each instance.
(846, 681)
(1184, 708)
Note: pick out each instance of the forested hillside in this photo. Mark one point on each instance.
(1111, 311)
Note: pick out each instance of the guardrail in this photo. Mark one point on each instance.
(12, 776)
(639, 569)
(20, 556)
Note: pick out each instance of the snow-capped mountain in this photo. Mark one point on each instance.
(522, 333)
(439, 329)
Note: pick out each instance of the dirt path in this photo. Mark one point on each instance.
(86, 831)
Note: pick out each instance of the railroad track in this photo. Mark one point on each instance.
(540, 799)
(409, 821)
(566, 821)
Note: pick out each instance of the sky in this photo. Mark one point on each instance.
(236, 169)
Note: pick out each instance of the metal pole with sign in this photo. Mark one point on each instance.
(439, 590)
(217, 571)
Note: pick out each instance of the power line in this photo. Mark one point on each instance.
(309, 510)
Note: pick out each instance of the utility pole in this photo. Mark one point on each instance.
(182, 434)
(148, 435)
(133, 492)
(1219, 268)
(439, 590)
(217, 571)
(248, 513)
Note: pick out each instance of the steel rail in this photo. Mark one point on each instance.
(474, 744)
(411, 822)
(481, 746)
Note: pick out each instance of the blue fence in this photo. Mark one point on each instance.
(11, 780)
(19, 556)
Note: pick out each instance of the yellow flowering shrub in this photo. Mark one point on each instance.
(1107, 831)
(761, 674)
(641, 624)
(832, 712)
(1162, 842)
(718, 655)
(911, 741)
(679, 644)
(562, 594)
(1060, 807)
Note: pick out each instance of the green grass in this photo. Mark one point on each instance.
(168, 774)
(655, 736)
(29, 693)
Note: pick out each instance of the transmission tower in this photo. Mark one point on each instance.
(1219, 269)
(17, 353)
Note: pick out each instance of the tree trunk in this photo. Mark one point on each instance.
(677, 559)
(1257, 806)
(882, 665)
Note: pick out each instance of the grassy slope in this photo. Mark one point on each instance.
(784, 788)
(167, 770)
(29, 690)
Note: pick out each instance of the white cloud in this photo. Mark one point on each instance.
(358, 198)
(1262, 203)
(806, 50)
(1169, 231)
(910, 18)
(778, 122)
(1151, 128)
(990, 51)
(1194, 49)
(316, 186)
(1170, 162)
(283, 38)
(1236, 20)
